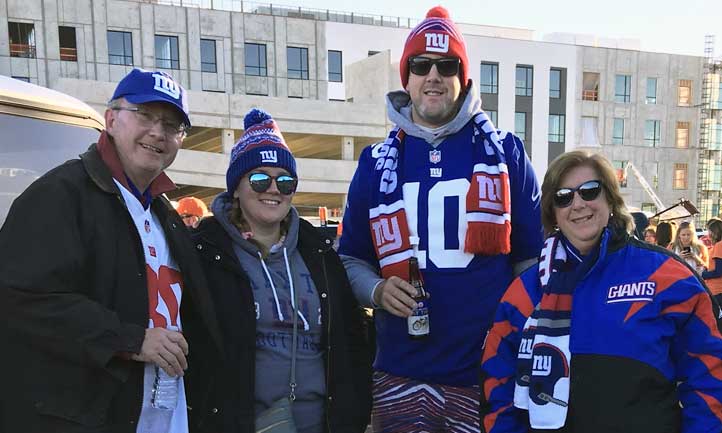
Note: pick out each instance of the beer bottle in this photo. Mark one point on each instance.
(418, 321)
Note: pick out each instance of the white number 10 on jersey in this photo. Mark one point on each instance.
(436, 222)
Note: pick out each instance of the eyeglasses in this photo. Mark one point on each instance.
(260, 182)
(148, 120)
(447, 67)
(588, 191)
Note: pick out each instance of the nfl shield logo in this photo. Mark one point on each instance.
(147, 226)
(435, 156)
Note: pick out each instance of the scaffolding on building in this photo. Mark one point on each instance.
(710, 151)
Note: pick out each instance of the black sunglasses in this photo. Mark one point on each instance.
(588, 191)
(260, 182)
(447, 67)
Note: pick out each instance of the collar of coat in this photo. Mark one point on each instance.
(103, 165)
(310, 239)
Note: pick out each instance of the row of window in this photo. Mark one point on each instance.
(120, 52)
(652, 130)
(557, 125)
(489, 80)
(489, 83)
(22, 41)
(623, 89)
(652, 133)
(679, 178)
(297, 58)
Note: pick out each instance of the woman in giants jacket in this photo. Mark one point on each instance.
(258, 254)
(607, 333)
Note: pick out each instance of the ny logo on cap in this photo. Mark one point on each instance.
(437, 42)
(269, 156)
(166, 85)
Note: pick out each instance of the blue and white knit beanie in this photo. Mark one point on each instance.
(261, 145)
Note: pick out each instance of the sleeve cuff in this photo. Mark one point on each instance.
(373, 292)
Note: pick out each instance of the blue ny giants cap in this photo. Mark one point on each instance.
(141, 86)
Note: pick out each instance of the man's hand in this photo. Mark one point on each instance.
(394, 295)
(164, 348)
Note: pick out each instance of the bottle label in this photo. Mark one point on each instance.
(418, 321)
(164, 394)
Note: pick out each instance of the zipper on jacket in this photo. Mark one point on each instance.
(273, 426)
(329, 397)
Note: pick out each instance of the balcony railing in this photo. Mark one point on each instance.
(590, 95)
(69, 54)
(251, 7)
(22, 50)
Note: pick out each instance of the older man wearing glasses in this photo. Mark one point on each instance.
(101, 293)
(443, 187)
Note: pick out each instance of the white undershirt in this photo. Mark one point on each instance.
(164, 290)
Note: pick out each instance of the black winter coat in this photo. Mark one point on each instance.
(222, 389)
(73, 295)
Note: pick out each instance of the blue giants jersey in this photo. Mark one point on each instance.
(465, 288)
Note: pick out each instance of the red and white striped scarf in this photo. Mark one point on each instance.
(488, 201)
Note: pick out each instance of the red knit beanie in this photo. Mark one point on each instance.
(436, 34)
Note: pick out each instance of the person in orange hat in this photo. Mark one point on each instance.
(191, 210)
(442, 187)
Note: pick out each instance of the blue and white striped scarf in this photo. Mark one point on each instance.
(544, 360)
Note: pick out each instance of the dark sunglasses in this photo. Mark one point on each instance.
(260, 182)
(588, 191)
(447, 67)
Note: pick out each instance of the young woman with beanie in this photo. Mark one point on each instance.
(275, 280)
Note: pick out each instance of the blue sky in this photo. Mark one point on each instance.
(661, 25)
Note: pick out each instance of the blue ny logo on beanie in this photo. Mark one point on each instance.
(262, 145)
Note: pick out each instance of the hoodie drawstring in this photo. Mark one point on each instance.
(306, 327)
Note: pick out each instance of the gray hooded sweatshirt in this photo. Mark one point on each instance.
(270, 281)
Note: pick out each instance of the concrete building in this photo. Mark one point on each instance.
(323, 75)
(642, 108)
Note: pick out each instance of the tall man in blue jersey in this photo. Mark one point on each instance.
(443, 187)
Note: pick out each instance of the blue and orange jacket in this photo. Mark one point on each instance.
(642, 360)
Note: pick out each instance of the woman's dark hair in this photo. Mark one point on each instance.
(641, 222)
(665, 234)
(715, 230)
(709, 221)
